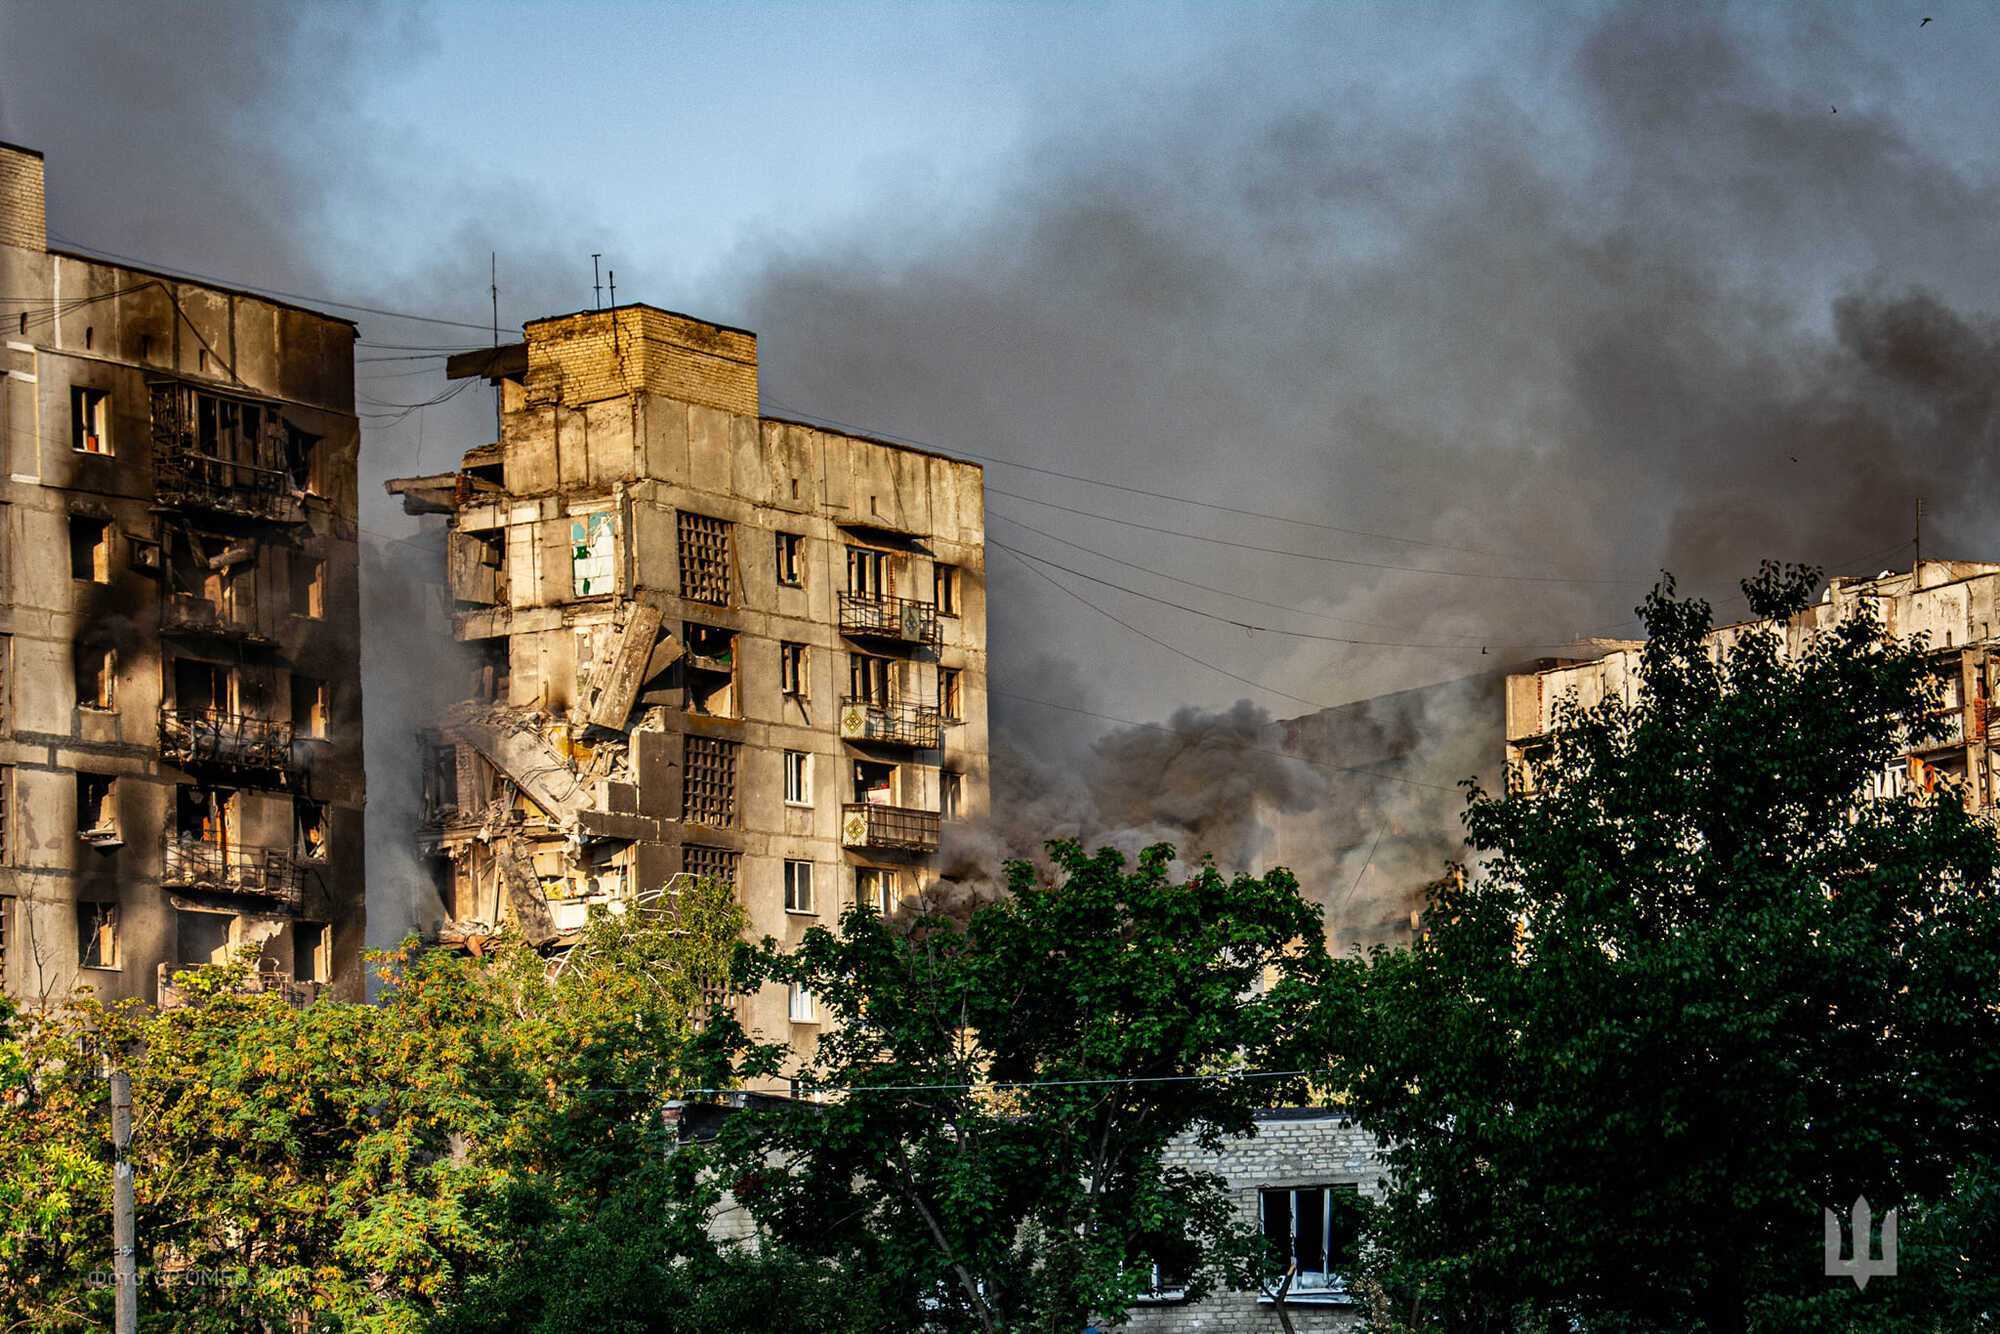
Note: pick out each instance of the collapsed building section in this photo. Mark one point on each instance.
(180, 727)
(696, 639)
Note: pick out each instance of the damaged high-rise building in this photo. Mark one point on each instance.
(180, 698)
(697, 639)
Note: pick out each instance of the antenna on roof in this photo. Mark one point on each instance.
(596, 286)
(614, 288)
(493, 285)
(1919, 542)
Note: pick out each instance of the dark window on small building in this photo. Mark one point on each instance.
(1314, 1228)
(97, 935)
(90, 548)
(704, 553)
(708, 773)
(791, 571)
(90, 420)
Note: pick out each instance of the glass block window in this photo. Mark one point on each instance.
(698, 859)
(708, 776)
(704, 547)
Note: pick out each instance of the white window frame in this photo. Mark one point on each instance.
(1317, 1284)
(799, 887)
(799, 763)
(802, 1005)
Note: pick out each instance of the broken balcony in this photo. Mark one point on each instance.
(264, 873)
(261, 980)
(182, 613)
(190, 737)
(890, 619)
(898, 724)
(888, 828)
(221, 454)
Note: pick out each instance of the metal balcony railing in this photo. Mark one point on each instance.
(265, 977)
(263, 873)
(897, 620)
(898, 724)
(183, 613)
(888, 828)
(206, 736)
(185, 475)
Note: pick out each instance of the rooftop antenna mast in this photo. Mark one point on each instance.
(596, 282)
(1919, 541)
(493, 285)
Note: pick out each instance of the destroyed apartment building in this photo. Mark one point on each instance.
(180, 697)
(1954, 604)
(697, 640)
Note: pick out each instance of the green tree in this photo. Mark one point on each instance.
(1701, 982)
(998, 1098)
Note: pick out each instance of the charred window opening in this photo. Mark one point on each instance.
(710, 863)
(791, 570)
(491, 676)
(792, 673)
(210, 815)
(870, 679)
(478, 566)
(230, 430)
(704, 554)
(944, 589)
(310, 708)
(593, 549)
(96, 676)
(308, 586)
(303, 465)
(867, 572)
(201, 937)
(90, 548)
(951, 694)
(90, 420)
(97, 935)
(312, 951)
(709, 669)
(708, 776)
(440, 782)
(309, 828)
(206, 687)
(97, 808)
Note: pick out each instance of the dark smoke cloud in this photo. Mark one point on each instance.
(1646, 301)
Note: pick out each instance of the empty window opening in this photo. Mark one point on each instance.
(704, 552)
(303, 464)
(309, 707)
(201, 360)
(90, 420)
(1314, 1229)
(709, 670)
(944, 586)
(201, 937)
(790, 569)
(205, 687)
(798, 778)
(876, 889)
(951, 794)
(97, 935)
(798, 887)
(710, 863)
(867, 570)
(870, 679)
(792, 675)
(951, 694)
(96, 677)
(90, 548)
(592, 553)
(709, 782)
(312, 951)
(875, 783)
(89, 336)
(211, 815)
(803, 1005)
(97, 807)
(309, 828)
(308, 587)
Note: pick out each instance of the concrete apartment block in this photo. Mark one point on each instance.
(180, 684)
(696, 639)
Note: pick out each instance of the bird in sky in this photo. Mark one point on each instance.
(1922, 24)
(1836, 111)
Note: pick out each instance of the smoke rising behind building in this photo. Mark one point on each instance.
(1555, 305)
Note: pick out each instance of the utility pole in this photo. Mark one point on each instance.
(125, 1257)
